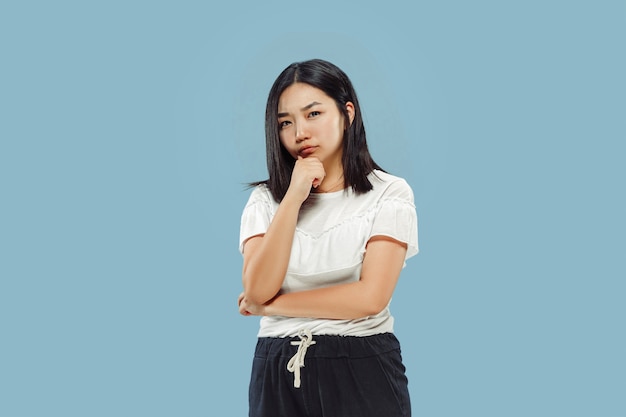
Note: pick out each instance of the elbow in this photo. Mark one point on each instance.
(369, 308)
(255, 293)
(252, 294)
(255, 297)
(375, 304)
(255, 301)
(250, 291)
(376, 309)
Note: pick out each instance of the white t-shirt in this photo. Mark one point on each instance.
(329, 245)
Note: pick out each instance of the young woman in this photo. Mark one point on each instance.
(323, 241)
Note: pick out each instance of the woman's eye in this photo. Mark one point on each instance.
(284, 124)
(314, 114)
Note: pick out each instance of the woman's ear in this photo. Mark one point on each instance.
(350, 110)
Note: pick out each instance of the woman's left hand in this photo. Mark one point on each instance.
(246, 308)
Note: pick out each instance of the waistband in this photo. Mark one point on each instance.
(328, 346)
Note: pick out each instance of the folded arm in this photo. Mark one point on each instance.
(265, 257)
(382, 263)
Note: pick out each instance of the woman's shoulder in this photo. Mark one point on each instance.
(385, 177)
(260, 194)
(390, 185)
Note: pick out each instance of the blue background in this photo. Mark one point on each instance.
(128, 130)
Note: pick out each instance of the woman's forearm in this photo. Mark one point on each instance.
(345, 301)
(266, 258)
(382, 264)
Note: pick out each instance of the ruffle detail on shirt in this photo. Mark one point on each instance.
(397, 218)
(344, 243)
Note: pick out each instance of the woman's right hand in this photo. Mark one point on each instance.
(307, 172)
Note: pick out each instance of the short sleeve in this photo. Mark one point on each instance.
(256, 216)
(396, 216)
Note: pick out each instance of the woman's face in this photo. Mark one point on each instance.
(310, 123)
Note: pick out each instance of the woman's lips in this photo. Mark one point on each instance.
(306, 151)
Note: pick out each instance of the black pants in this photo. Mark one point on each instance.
(343, 376)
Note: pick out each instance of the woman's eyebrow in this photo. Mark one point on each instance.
(308, 106)
(305, 108)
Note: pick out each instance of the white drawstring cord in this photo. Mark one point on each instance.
(297, 361)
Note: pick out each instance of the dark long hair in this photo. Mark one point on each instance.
(356, 159)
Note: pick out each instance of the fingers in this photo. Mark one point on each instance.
(308, 172)
(243, 311)
(242, 305)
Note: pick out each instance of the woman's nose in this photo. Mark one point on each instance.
(302, 132)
